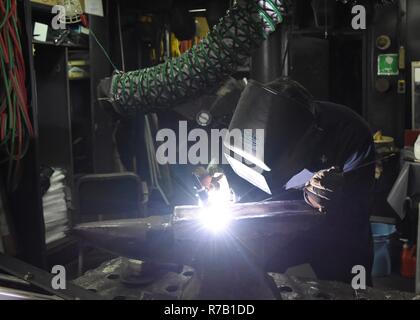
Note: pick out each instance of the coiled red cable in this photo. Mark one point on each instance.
(15, 124)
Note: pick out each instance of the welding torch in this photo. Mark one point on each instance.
(204, 182)
(201, 191)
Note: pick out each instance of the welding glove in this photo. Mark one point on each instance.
(208, 178)
(324, 190)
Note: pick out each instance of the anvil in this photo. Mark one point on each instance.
(226, 261)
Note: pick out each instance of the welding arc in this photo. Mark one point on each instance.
(228, 45)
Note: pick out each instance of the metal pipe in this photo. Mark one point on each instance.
(227, 46)
(120, 36)
(12, 279)
(13, 294)
(267, 60)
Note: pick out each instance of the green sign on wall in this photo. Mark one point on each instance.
(388, 64)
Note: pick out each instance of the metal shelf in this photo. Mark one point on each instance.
(50, 43)
(41, 7)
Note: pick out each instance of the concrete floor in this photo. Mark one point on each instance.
(394, 282)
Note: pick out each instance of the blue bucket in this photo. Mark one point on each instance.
(382, 233)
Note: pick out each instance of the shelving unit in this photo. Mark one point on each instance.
(74, 133)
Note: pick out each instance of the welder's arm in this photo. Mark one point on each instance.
(332, 188)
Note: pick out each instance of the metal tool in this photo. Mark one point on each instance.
(227, 259)
(13, 294)
(166, 238)
(200, 190)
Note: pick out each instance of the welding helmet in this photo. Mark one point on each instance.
(278, 126)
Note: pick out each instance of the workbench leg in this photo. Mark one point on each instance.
(80, 261)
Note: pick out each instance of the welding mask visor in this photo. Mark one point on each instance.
(275, 130)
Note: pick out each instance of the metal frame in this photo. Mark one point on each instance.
(414, 65)
(13, 294)
(26, 216)
(155, 175)
(101, 124)
(43, 280)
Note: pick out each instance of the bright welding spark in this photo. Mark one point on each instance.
(215, 216)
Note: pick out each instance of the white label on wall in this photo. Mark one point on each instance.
(40, 32)
(417, 75)
(94, 7)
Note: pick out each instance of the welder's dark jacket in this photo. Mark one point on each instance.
(344, 239)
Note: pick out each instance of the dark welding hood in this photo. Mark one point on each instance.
(285, 124)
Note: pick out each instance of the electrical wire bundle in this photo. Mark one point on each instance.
(228, 45)
(15, 124)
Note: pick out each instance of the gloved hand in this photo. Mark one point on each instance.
(324, 190)
(207, 178)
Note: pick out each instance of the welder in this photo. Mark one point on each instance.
(326, 151)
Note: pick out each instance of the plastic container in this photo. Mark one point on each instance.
(417, 148)
(382, 233)
(408, 261)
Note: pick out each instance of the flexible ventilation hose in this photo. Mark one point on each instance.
(226, 47)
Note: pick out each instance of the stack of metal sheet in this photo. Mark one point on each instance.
(55, 207)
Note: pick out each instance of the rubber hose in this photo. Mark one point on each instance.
(228, 45)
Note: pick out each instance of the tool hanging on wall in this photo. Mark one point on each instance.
(15, 124)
